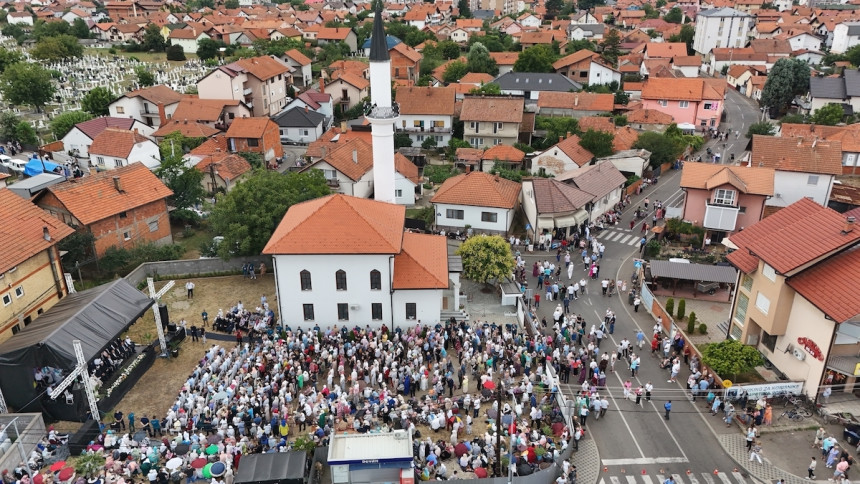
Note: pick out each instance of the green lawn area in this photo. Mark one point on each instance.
(191, 239)
(142, 56)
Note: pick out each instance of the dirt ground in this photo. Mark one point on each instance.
(157, 389)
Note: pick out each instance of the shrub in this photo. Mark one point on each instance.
(175, 53)
(682, 309)
(691, 323)
(670, 306)
(703, 328)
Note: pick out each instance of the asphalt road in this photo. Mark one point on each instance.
(637, 445)
(741, 112)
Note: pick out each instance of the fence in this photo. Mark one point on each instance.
(192, 268)
(23, 431)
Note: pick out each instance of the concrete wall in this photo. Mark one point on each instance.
(191, 268)
(26, 429)
(472, 217)
(792, 186)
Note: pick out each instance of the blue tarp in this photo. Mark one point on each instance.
(36, 166)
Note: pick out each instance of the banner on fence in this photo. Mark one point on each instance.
(755, 390)
(647, 299)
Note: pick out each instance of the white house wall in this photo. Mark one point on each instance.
(406, 188)
(792, 186)
(77, 140)
(472, 217)
(428, 306)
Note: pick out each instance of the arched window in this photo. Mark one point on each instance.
(375, 280)
(340, 280)
(305, 278)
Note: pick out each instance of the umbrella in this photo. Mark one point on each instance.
(56, 466)
(139, 436)
(218, 469)
(174, 463)
(557, 429)
(38, 479)
(96, 447)
(212, 450)
(198, 463)
(213, 439)
(460, 449)
(489, 385)
(207, 471)
(220, 396)
(182, 449)
(66, 473)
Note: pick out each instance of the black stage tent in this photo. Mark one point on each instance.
(276, 468)
(96, 317)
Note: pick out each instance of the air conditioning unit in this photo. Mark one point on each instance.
(752, 339)
(799, 354)
(354, 306)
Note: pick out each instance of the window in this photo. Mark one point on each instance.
(438, 124)
(329, 174)
(120, 110)
(849, 159)
(304, 132)
(768, 340)
(153, 226)
(419, 138)
(7, 299)
(100, 160)
(253, 142)
(746, 282)
(497, 141)
(340, 280)
(454, 214)
(762, 303)
(663, 102)
(308, 311)
(473, 125)
(812, 180)
(342, 312)
(376, 311)
(28, 320)
(741, 310)
(769, 272)
(305, 280)
(477, 142)
(411, 311)
(724, 197)
(497, 127)
(398, 193)
(19, 291)
(683, 104)
(489, 217)
(707, 106)
(417, 124)
(126, 236)
(742, 210)
(375, 280)
(16, 329)
(123, 215)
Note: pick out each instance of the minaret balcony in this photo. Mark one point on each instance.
(372, 111)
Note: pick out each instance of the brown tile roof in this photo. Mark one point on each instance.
(426, 100)
(770, 46)
(737, 54)
(570, 146)
(228, 166)
(666, 49)
(93, 198)
(488, 108)
(422, 264)
(707, 176)
(831, 285)
(505, 58)
(350, 78)
(192, 108)
(349, 65)
(262, 67)
(570, 59)
(504, 153)
(596, 123)
(297, 56)
(625, 138)
(553, 196)
(407, 52)
(478, 189)
(159, 94)
(672, 88)
(116, 142)
(687, 60)
(792, 237)
(469, 155)
(599, 180)
(478, 78)
(211, 145)
(191, 129)
(21, 230)
(797, 154)
(94, 127)
(539, 37)
(334, 33)
(248, 127)
(353, 158)
(406, 168)
(809, 131)
(307, 228)
(577, 101)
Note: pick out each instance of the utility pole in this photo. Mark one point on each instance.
(212, 174)
(499, 427)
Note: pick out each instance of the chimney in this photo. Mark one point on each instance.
(568, 135)
(45, 234)
(322, 85)
(135, 131)
(814, 141)
(849, 225)
(343, 127)
(355, 156)
(306, 109)
(576, 100)
(496, 177)
(322, 151)
(117, 183)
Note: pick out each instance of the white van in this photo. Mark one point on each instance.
(12, 164)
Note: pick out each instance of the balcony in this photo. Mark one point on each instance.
(720, 217)
(424, 130)
(372, 111)
(247, 92)
(333, 183)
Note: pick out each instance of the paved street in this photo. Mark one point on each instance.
(741, 112)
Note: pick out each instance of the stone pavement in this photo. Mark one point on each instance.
(587, 460)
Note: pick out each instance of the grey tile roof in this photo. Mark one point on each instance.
(827, 87)
(535, 81)
(852, 82)
(853, 28)
(723, 12)
(693, 272)
(297, 117)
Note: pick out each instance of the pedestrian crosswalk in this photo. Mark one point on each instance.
(691, 478)
(620, 236)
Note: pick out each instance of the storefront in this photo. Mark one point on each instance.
(371, 458)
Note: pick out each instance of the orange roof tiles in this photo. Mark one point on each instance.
(831, 285)
(249, 127)
(406, 168)
(422, 264)
(625, 138)
(334, 33)
(477, 78)
(489, 108)
(159, 94)
(707, 176)
(577, 101)
(504, 153)
(297, 56)
(353, 158)
(228, 166)
(478, 189)
(407, 52)
(116, 142)
(351, 79)
(505, 58)
(426, 100)
(307, 228)
(469, 155)
(262, 67)
(596, 123)
(93, 198)
(190, 130)
(577, 56)
(570, 146)
(21, 230)
(192, 108)
(211, 145)
(666, 49)
(797, 154)
(553, 196)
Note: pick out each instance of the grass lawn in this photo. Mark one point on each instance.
(191, 239)
(141, 56)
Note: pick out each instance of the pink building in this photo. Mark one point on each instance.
(724, 199)
(690, 101)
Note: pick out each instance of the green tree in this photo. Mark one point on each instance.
(553, 7)
(787, 78)
(455, 71)
(231, 3)
(333, 52)
(429, 143)
(650, 11)
(63, 123)
(611, 46)
(691, 323)
(402, 140)
(538, 58)
(25, 134)
(682, 309)
(447, 49)
(463, 7)
(762, 128)
(78, 247)
(486, 259)
(489, 88)
(249, 213)
(97, 100)
(670, 306)
(57, 48)
(42, 29)
(555, 129)
(793, 118)
(730, 358)
(144, 76)
(479, 60)
(153, 40)
(15, 31)
(599, 143)
(26, 83)
(852, 55)
(674, 16)
(79, 29)
(208, 48)
(9, 57)
(176, 53)
(254, 159)
(185, 180)
(829, 115)
(663, 148)
(439, 173)
(9, 125)
(578, 45)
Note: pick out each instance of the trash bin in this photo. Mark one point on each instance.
(630, 297)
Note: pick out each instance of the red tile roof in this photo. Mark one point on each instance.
(189, 130)
(353, 158)
(159, 94)
(504, 153)
(489, 108)
(553, 196)
(93, 198)
(797, 154)
(21, 230)
(406, 168)
(577, 101)
(426, 100)
(94, 127)
(831, 285)
(116, 142)
(249, 127)
(478, 189)
(228, 166)
(422, 264)
(307, 228)
(297, 56)
(792, 237)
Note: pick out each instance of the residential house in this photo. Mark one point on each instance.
(563, 157)
(844, 89)
(459, 35)
(529, 20)
(665, 50)
(803, 41)
(151, 106)
(592, 32)
(405, 62)
(315, 101)
(586, 67)
(468, 158)
(720, 58)
(301, 64)
(20, 18)
(188, 39)
(114, 147)
(530, 85)
(721, 28)
(256, 135)
(299, 125)
(189, 129)
(215, 113)
(426, 112)
(373, 274)
(346, 35)
(574, 104)
(805, 168)
(550, 205)
(505, 61)
(121, 208)
(629, 162)
(347, 167)
(649, 120)
(845, 36)
(490, 121)
(347, 89)
(407, 182)
(502, 156)
(81, 136)
(696, 102)
(30, 265)
(259, 82)
(795, 298)
(222, 170)
(725, 199)
(602, 181)
(484, 202)
(688, 65)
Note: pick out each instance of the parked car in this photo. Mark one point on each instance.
(851, 433)
(12, 164)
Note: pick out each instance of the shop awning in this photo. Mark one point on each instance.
(693, 272)
(571, 220)
(847, 364)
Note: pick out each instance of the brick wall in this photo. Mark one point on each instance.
(400, 65)
(135, 226)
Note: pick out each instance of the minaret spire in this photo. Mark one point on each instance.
(382, 113)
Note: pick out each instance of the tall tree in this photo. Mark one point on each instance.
(486, 259)
(97, 101)
(663, 148)
(455, 71)
(763, 128)
(538, 58)
(144, 77)
(611, 43)
(208, 48)
(829, 115)
(599, 143)
(787, 78)
(9, 57)
(63, 123)
(185, 181)
(153, 40)
(479, 60)
(26, 83)
(247, 216)
(79, 29)
(674, 16)
(553, 7)
(463, 7)
(57, 48)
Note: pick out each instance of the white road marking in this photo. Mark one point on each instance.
(635, 240)
(739, 477)
(626, 239)
(646, 479)
(631, 479)
(644, 461)
(724, 478)
(617, 236)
